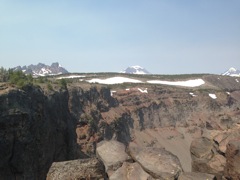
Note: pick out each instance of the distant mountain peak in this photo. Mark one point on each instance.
(135, 70)
(42, 70)
(56, 65)
(232, 69)
(137, 67)
(232, 72)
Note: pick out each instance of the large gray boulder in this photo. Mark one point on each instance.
(158, 162)
(112, 154)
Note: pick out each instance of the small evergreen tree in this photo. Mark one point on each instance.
(63, 83)
(4, 75)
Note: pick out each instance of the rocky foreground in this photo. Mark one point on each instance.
(93, 131)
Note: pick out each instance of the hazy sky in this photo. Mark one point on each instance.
(164, 36)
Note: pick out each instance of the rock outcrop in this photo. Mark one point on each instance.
(217, 153)
(35, 130)
(232, 168)
(77, 169)
(204, 159)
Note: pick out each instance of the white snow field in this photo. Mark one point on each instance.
(188, 83)
(114, 80)
(120, 80)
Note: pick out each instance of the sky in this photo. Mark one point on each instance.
(163, 36)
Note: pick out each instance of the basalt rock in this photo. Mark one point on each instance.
(130, 171)
(204, 157)
(112, 154)
(232, 168)
(158, 162)
(77, 169)
(196, 176)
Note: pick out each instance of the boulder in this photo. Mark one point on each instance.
(112, 153)
(232, 168)
(158, 162)
(90, 168)
(201, 148)
(205, 158)
(130, 171)
(216, 164)
(223, 138)
(195, 176)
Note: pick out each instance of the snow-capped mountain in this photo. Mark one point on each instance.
(135, 70)
(42, 70)
(232, 72)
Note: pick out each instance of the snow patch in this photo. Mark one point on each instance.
(228, 93)
(213, 96)
(114, 80)
(189, 83)
(235, 75)
(68, 77)
(45, 71)
(127, 89)
(112, 92)
(139, 72)
(137, 67)
(143, 91)
(237, 80)
(192, 94)
(232, 69)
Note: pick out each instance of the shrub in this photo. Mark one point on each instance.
(41, 79)
(50, 87)
(63, 83)
(19, 78)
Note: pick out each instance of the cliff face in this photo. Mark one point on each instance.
(38, 127)
(35, 130)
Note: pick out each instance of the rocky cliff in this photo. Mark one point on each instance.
(39, 127)
(35, 130)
